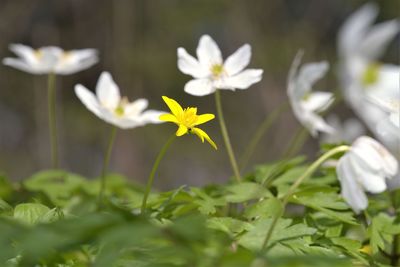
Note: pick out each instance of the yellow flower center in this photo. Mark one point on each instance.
(217, 70)
(188, 117)
(120, 109)
(371, 74)
(38, 54)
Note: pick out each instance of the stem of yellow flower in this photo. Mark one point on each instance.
(106, 162)
(51, 102)
(313, 167)
(260, 132)
(153, 172)
(225, 136)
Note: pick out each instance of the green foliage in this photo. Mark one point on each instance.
(52, 219)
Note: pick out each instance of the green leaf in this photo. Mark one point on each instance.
(284, 230)
(30, 213)
(57, 185)
(263, 209)
(325, 200)
(229, 225)
(242, 192)
(207, 204)
(381, 231)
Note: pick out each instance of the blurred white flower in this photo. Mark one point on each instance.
(108, 105)
(360, 45)
(307, 104)
(364, 168)
(211, 73)
(50, 59)
(346, 131)
(391, 106)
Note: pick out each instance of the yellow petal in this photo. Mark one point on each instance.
(181, 130)
(203, 135)
(169, 118)
(175, 108)
(204, 118)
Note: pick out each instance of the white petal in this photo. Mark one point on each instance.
(208, 52)
(350, 189)
(189, 65)
(377, 39)
(49, 57)
(76, 60)
(88, 99)
(292, 77)
(24, 52)
(371, 181)
(395, 119)
(22, 65)
(314, 123)
(238, 60)
(152, 116)
(133, 110)
(199, 87)
(107, 91)
(308, 75)
(375, 156)
(242, 80)
(318, 101)
(354, 29)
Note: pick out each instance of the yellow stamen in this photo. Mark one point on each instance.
(371, 74)
(217, 69)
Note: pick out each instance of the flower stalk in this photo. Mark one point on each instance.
(150, 180)
(313, 167)
(106, 162)
(51, 101)
(225, 136)
(260, 132)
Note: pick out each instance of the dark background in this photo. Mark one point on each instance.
(137, 42)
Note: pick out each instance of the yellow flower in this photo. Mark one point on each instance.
(187, 120)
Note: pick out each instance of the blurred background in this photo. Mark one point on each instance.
(137, 42)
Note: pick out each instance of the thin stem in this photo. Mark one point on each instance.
(261, 130)
(106, 162)
(313, 167)
(225, 136)
(51, 102)
(153, 172)
(296, 143)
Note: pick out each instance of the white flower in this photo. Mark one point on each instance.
(360, 45)
(50, 59)
(364, 168)
(108, 105)
(391, 106)
(211, 73)
(346, 131)
(307, 104)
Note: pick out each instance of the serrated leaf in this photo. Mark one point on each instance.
(228, 225)
(325, 200)
(263, 209)
(246, 191)
(381, 231)
(254, 239)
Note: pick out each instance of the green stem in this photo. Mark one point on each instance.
(106, 162)
(225, 136)
(313, 167)
(51, 102)
(153, 171)
(262, 129)
(296, 143)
